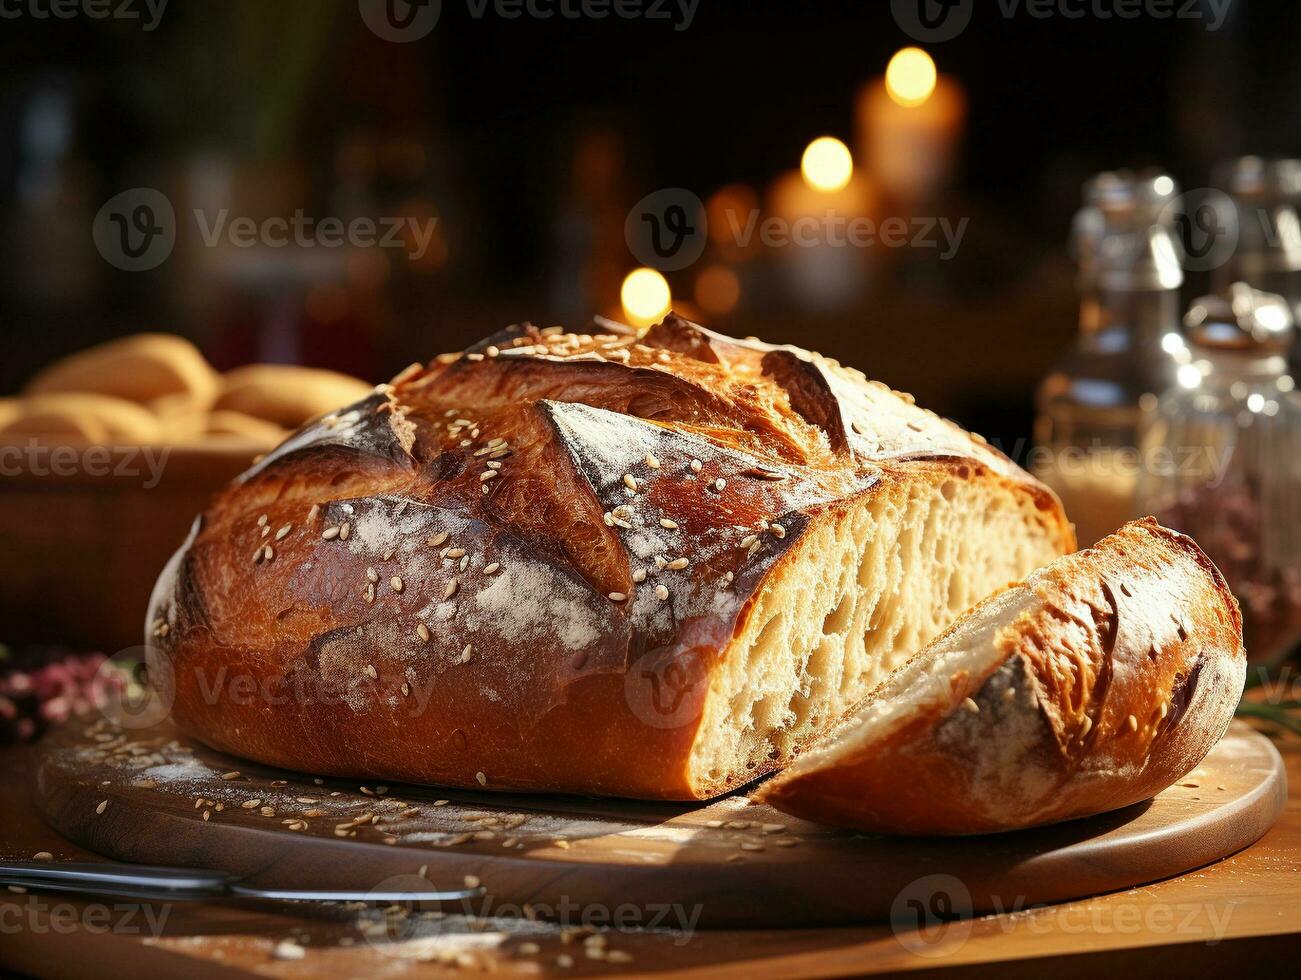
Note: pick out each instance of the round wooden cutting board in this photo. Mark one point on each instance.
(154, 797)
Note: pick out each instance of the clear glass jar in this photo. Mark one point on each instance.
(1222, 459)
(1092, 407)
(1266, 194)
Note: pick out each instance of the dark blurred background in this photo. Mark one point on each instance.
(530, 139)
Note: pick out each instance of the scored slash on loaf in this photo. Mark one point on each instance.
(653, 566)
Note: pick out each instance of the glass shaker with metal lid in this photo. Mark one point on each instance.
(1223, 459)
(1266, 195)
(1091, 407)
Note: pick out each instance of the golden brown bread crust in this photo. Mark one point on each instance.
(449, 557)
(1118, 674)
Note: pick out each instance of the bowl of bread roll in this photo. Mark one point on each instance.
(105, 458)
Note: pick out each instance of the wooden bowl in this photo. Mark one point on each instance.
(85, 530)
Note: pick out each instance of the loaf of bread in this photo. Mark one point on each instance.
(651, 566)
(1095, 683)
(286, 394)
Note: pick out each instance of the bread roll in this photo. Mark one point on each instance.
(260, 431)
(1095, 683)
(79, 418)
(649, 567)
(287, 395)
(140, 368)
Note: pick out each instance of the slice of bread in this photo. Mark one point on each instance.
(1095, 683)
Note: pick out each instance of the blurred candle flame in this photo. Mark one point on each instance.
(827, 165)
(645, 297)
(910, 77)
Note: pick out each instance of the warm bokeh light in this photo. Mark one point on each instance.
(728, 210)
(910, 77)
(645, 297)
(826, 164)
(717, 289)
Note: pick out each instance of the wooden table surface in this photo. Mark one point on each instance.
(1241, 914)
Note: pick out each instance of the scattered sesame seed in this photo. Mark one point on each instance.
(719, 484)
(969, 705)
(344, 530)
(487, 475)
(288, 950)
(330, 533)
(696, 466)
(422, 631)
(677, 564)
(778, 530)
(396, 583)
(102, 807)
(491, 568)
(748, 540)
(639, 575)
(467, 653)
(449, 590)
(630, 482)
(42, 856)
(252, 804)
(262, 520)
(371, 672)
(437, 539)
(280, 535)
(661, 593)
(268, 553)
(472, 881)
(666, 523)
(1086, 726)
(372, 575)
(455, 553)
(618, 596)
(313, 513)
(652, 462)
(228, 776)
(483, 780)
(1131, 723)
